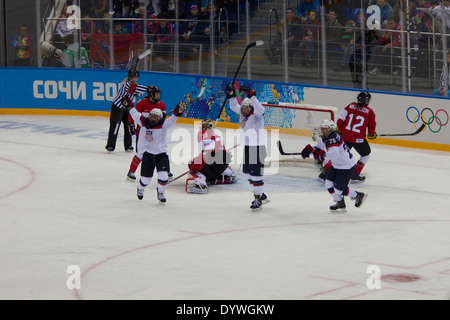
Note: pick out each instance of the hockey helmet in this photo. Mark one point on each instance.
(132, 74)
(151, 92)
(207, 124)
(364, 98)
(329, 125)
(246, 107)
(155, 112)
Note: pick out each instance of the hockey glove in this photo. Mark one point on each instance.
(307, 151)
(180, 108)
(230, 91)
(372, 136)
(319, 154)
(132, 129)
(126, 101)
(248, 91)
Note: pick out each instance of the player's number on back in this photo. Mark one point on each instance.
(354, 123)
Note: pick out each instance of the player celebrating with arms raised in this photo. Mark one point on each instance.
(152, 141)
(251, 123)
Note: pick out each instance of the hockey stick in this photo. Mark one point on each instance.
(250, 45)
(286, 153)
(185, 173)
(134, 66)
(403, 134)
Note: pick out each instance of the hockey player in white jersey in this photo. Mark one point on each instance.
(342, 166)
(253, 138)
(152, 140)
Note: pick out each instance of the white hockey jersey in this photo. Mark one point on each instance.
(337, 151)
(252, 131)
(154, 140)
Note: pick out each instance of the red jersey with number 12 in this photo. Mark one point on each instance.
(356, 124)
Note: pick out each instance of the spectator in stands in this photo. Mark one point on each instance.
(22, 44)
(163, 35)
(305, 6)
(126, 9)
(384, 49)
(333, 30)
(399, 11)
(311, 33)
(347, 42)
(119, 28)
(293, 37)
(139, 24)
(232, 7)
(422, 17)
(441, 90)
(442, 11)
(192, 32)
(75, 56)
(356, 62)
(99, 8)
(63, 28)
(207, 27)
(386, 11)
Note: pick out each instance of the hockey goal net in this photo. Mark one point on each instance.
(294, 126)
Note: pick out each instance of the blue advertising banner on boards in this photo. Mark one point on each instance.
(95, 89)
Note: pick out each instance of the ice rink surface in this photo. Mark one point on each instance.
(64, 202)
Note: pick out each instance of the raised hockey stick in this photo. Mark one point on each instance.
(403, 134)
(185, 173)
(249, 46)
(280, 147)
(133, 66)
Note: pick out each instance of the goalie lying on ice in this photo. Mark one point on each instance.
(211, 166)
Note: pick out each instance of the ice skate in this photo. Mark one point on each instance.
(256, 204)
(338, 207)
(264, 199)
(358, 178)
(359, 199)
(161, 198)
(131, 176)
(140, 193)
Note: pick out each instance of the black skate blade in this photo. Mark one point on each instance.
(256, 209)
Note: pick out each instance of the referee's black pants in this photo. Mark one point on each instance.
(118, 115)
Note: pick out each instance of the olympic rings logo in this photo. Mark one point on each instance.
(428, 117)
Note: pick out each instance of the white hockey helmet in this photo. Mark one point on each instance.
(155, 112)
(329, 125)
(246, 107)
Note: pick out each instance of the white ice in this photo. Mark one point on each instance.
(64, 201)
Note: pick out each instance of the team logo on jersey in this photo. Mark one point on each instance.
(149, 136)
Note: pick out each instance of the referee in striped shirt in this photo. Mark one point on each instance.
(129, 89)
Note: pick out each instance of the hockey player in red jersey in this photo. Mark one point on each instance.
(152, 142)
(342, 167)
(144, 106)
(211, 166)
(356, 121)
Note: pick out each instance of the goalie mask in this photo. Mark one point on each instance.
(364, 98)
(153, 93)
(155, 116)
(246, 107)
(327, 125)
(207, 124)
